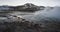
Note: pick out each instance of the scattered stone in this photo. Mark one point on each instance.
(29, 26)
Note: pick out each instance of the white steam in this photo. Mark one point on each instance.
(50, 13)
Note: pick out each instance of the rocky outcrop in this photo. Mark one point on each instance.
(26, 26)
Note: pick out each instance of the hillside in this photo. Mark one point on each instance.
(28, 7)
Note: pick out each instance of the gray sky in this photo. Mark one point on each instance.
(36, 2)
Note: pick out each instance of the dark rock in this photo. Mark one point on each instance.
(27, 26)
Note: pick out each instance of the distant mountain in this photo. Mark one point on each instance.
(4, 7)
(29, 7)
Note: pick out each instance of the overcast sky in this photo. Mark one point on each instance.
(36, 2)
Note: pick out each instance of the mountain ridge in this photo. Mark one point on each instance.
(26, 7)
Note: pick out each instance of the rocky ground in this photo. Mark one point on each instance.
(27, 26)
